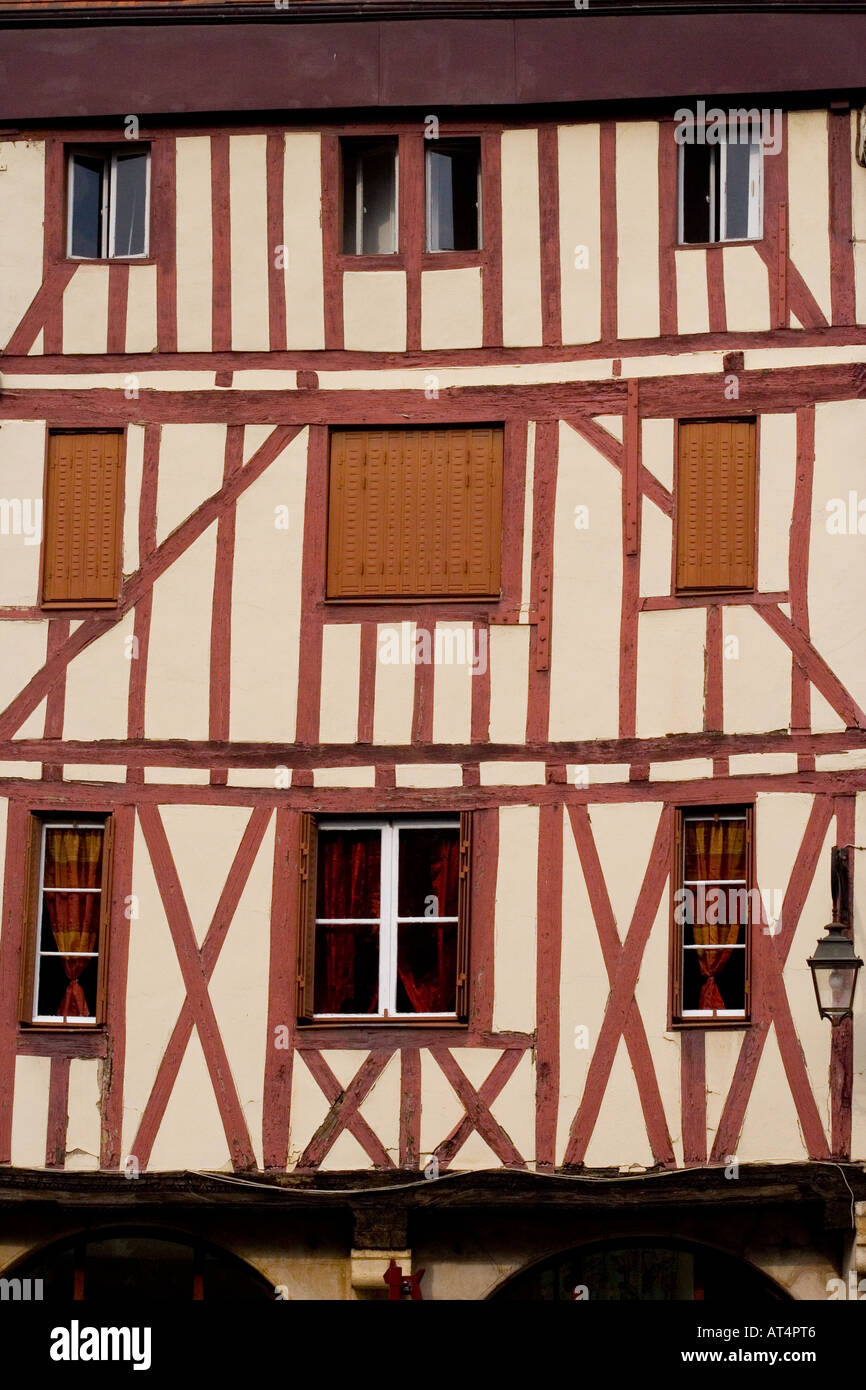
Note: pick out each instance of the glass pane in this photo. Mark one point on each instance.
(737, 192)
(427, 968)
(349, 873)
(130, 199)
(378, 186)
(715, 913)
(70, 921)
(714, 980)
(347, 970)
(697, 163)
(453, 174)
(67, 987)
(87, 176)
(715, 849)
(429, 872)
(137, 1267)
(73, 858)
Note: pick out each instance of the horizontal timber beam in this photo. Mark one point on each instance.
(765, 391)
(208, 754)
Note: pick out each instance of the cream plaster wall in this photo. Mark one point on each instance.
(249, 242)
(451, 308)
(747, 290)
(514, 940)
(85, 310)
(637, 226)
(809, 201)
(22, 476)
(579, 227)
(302, 200)
(341, 670)
(693, 307)
(374, 310)
(194, 244)
(21, 217)
(521, 252)
(670, 672)
(141, 309)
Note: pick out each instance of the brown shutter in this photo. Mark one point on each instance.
(716, 505)
(105, 901)
(415, 513)
(307, 919)
(30, 904)
(464, 912)
(82, 519)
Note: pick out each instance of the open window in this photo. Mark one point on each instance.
(721, 189)
(108, 203)
(369, 196)
(713, 915)
(66, 920)
(453, 178)
(384, 927)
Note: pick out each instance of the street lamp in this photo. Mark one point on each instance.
(834, 965)
(834, 969)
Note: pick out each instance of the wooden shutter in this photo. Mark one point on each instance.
(307, 918)
(82, 519)
(30, 905)
(415, 513)
(716, 505)
(464, 912)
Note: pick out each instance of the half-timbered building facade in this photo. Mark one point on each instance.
(431, 648)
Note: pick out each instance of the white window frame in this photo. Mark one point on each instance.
(718, 217)
(388, 921)
(110, 161)
(432, 228)
(359, 203)
(47, 825)
(715, 882)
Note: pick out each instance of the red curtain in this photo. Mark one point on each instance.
(349, 868)
(73, 859)
(430, 984)
(715, 850)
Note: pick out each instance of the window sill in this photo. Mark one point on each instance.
(108, 260)
(413, 599)
(452, 260)
(712, 245)
(78, 605)
(684, 1024)
(386, 260)
(62, 1040)
(385, 1032)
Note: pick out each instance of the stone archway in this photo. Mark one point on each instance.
(144, 1262)
(641, 1270)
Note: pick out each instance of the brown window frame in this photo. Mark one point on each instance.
(306, 952)
(676, 1021)
(30, 943)
(104, 149)
(686, 590)
(417, 596)
(71, 604)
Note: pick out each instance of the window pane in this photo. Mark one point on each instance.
(715, 914)
(427, 968)
(87, 177)
(715, 849)
(369, 197)
(737, 192)
(130, 199)
(347, 970)
(349, 873)
(697, 162)
(73, 858)
(67, 986)
(714, 980)
(429, 868)
(452, 171)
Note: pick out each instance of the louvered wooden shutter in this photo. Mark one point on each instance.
(82, 519)
(464, 913)
(716, 505)
(415, 513)
(306, 976)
